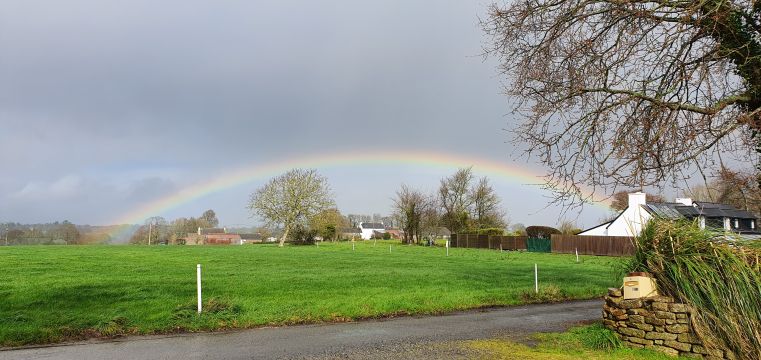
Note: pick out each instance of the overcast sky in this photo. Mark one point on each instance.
(105, 105)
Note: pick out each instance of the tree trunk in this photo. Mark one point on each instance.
(285, 236)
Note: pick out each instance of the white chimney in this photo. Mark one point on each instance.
(684, 201)
(636, 199)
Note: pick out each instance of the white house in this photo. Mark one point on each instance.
(630, 221)
(367, 229)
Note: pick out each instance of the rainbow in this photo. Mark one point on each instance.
(243, 175)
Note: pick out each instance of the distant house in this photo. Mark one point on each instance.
(395, 233)
(251, 238)
(367, 229)
(212, 236)
(718, 216)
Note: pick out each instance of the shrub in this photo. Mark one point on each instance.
(486, 231)
(721, 282)
(543, 232)
(302, 235)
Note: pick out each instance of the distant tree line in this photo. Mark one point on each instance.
(157, 230)
(56, 233)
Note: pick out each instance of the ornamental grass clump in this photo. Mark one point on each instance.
(720, 281)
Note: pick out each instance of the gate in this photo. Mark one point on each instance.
(539, 245)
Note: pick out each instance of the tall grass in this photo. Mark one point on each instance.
(700, 268)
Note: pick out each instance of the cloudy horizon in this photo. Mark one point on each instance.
(107, 106)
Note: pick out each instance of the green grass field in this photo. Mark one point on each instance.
(56, 293)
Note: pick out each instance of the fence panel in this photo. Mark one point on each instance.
(539, 245)
(488, 241)
(593, 245)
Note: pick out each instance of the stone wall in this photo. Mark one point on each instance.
(657, 323)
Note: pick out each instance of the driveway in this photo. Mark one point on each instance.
(357, 340)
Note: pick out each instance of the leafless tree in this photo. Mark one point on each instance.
(467, 205)
(620, 200)
(454, 199)
(568, 227)
(410, 208)
(730, 187)
(291, 198)
(486, 210)
(630, 93)
(430, 222)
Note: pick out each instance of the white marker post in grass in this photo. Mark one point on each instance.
(577, 255)
(389, 249)
(500, 247)
(198, 283)
(447, 247)
(352, 246)
(536, 279)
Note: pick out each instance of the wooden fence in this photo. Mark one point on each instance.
(564, 244)
(593, 245)
(488, 241)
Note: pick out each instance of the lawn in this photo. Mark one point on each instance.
(56, 293)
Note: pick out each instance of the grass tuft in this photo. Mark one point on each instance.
(546, 294)
(113, 327)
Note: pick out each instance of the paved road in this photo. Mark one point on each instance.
(328, 340)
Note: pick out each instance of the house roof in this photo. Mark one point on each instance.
(605, 224)
(223, 236)
(206, 231)
(664, 210)
(378, 226)
(256, 236)
(709, 210)
(721, 210)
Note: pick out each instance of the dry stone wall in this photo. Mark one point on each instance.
(657, 323)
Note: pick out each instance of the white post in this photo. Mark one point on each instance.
(577, 254)
(447, 247)
(352, 246)
(536, 279)
(318, 243)
(500, 247)
(389, 249)
(198, 282)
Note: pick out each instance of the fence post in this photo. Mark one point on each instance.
(536, 279)
(198, 284)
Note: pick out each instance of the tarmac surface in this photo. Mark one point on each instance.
(418, 337)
